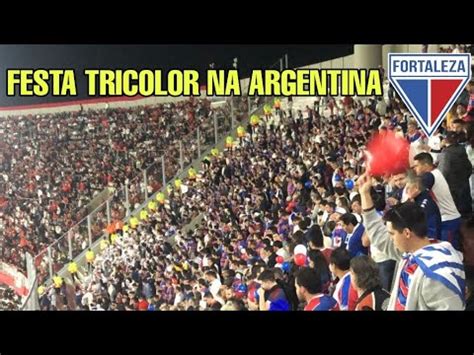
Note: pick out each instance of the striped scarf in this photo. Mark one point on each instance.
(408, 270)
(440, 262)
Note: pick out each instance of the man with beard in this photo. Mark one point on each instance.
(309, 290)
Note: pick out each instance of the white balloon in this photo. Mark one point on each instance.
(300, 249)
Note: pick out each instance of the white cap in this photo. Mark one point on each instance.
(280, 252)
(340, 210)
(352, 195)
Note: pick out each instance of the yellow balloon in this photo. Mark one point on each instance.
(143, 215)
(254, 120)
(215, 152)
(191, 173)
(160, 197)
(40, 290)
(134, 222)
(125, 228)
(240, 131)
(178, 183)
(72, 267)
(58, 281)
(151, 205)
(113, 238)
(103, 244)
(90, 256)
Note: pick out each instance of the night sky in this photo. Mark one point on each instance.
(163, 57)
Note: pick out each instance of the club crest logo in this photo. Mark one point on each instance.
(429, 84)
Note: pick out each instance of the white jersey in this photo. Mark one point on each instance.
(441, 194)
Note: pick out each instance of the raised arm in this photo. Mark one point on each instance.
(376, 229)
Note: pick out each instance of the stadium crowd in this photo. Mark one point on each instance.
(292, 221)
(9, 300)
(53, 165)
(456, 48)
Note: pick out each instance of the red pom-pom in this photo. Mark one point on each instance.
(387, 154)
(280, 260)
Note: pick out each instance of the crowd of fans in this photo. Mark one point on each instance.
(293, 221)
(53, 165)
(9, 300)
(456, 48)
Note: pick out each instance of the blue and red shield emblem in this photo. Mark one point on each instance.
(429, 84)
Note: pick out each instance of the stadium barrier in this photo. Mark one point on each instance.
(12, 277)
